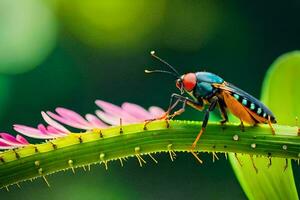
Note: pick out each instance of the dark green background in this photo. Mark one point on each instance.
(99, 50)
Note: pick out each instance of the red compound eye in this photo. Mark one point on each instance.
(189, 81)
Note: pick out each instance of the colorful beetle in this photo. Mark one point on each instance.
(206, 88)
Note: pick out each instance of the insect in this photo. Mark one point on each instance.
(209, 89)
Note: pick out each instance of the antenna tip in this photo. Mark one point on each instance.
(152, 52)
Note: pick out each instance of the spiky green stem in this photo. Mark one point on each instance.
(83, 149)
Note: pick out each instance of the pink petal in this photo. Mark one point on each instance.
(114, 110)
(7, 142)
(42, 129)
(46, 131)
(30, 132)
(95, 121)
(107, 118)
(54, 132)
(8, 137)
(50, 129)
(70, 114)
(21, 139)
(136, 111)
(26, 128)
(113, 120)
(53, 123)
(68, 121)
(10, 143)
(156, 111)
(5, 146)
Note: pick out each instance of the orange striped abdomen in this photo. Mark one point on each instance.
(244, 109)
(237, 109)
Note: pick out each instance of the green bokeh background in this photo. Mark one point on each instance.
(69, 53)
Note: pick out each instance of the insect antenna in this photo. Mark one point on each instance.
(165, 62)
(161, 71)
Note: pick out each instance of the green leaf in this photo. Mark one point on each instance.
(281, 90)
(281, 94)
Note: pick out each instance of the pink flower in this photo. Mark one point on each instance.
(8, 141)
(109, 114)
(129, 112)
(41, 132)
(73, 119)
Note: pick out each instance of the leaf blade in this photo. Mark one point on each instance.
(279, 88)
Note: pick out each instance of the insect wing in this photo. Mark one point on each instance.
(232, 88)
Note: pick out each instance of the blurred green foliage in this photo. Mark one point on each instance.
(284, 76)
(68, 53)
(27, 35)
(115, 24)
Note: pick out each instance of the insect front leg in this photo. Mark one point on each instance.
(198, 105)
(177, 98)
(165, 116)
(205, 120)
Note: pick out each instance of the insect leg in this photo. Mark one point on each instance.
(242, 126)
(270, 124)
(198, 105)
(205, 120)
(165, 115)
(223, 112)
(172, 105)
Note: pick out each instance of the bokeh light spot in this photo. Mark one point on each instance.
(27, 34)
(113, 24)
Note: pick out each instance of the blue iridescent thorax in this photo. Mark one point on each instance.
(204, 86)
(203, 89)
(208, 77)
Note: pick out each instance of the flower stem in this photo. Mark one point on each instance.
(83, 149)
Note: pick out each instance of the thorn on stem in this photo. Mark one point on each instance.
(17, 155)
(80, 139)
(121, 127)
(214, 155)
(270, 162)
(36, 149)
(235, 155)
(121, 162)
(225, 155)
(102, 158)
(286, 164)
(70, 163)
(172, 153)
(54, 146)
(253, 164)
(153, 158)
(138, 156)
(40, 170)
